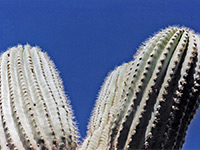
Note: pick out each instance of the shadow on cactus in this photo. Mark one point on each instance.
(147, 103)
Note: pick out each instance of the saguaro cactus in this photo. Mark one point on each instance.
(34, 113)
(149, 102)
(146, 103)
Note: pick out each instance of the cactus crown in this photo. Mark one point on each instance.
(146, 103)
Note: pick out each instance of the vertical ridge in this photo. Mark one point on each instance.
(150, 94)
(130, 93)
(12, 137)
(28, 104)
(52, 95)
(170, 105)
(3, 140)
(139, 90)
(69, 124)
(44, 93)
(168, 80)
(40, 111)
(18, 113)
(189, 87)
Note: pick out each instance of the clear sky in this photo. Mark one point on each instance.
(88, 38)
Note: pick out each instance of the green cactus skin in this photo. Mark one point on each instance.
(34, 111)
(148, 103)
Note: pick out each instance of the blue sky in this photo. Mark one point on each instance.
(88, 38)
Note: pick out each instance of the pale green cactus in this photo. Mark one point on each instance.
(34, 113)
(147, 103)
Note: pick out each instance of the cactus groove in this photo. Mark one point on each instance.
(149, 102)
(34, 113)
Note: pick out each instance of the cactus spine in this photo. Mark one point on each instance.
(149, 102)
(34, 113)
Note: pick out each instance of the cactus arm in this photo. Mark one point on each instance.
(99, 139)
(159, 96)
(33, 108)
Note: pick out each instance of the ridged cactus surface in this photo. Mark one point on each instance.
(34, 111)
(149, 102)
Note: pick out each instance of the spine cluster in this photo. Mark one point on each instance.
(34, 111)
(149, 102)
